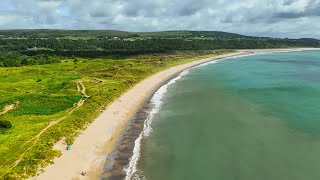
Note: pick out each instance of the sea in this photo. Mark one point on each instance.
(250, 117)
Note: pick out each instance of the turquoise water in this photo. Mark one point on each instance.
(247, 118)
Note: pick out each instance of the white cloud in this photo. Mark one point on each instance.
(282, 18)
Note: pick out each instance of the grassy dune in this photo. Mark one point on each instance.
(49, 103)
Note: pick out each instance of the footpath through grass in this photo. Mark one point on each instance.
(47, 93)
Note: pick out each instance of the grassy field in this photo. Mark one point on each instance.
(49, 104)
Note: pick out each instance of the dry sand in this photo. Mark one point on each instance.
(91, 148)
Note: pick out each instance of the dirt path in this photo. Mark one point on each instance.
(9, 107)
(101, 137)
(117, 72)
(36, 138)
(78, 87)
(82, 89)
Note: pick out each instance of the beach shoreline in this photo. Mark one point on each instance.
(89, 151)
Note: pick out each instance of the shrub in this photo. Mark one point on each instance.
(5, 124)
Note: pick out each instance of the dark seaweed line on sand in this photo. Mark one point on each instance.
(120, 157)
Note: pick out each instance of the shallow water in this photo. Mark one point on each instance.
(245, 118)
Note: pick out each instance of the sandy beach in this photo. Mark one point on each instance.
(99, 139)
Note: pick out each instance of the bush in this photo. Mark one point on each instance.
(5, 124)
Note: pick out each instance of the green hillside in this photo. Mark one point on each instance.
(47, 33)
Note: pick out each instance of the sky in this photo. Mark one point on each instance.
(274, 18)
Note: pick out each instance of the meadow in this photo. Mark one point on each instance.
(54, 101)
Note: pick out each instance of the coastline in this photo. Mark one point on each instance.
(89, 151)
(280, 49)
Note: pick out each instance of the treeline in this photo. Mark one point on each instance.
(31, 48)
(16, 59)
(150, 45)
(90, 54)
(51, 33)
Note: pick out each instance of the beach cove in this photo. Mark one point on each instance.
(248, 117)
(91, 148)
(99, 140)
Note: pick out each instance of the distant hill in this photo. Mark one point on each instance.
(56, 33)
(97, 43)
(212, 34)
(46, 33)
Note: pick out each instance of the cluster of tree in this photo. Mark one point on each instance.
(5, 124)
(40, 46)
(150, 45)
(51, 33)
(16, 59)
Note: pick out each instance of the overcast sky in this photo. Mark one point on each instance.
(277, 18)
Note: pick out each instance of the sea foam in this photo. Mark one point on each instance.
(156, 100)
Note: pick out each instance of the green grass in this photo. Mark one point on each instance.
(34, 104)
(41, 102)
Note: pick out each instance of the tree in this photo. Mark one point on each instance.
(5, 124)
(25, 62)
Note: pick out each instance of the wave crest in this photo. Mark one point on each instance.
(156, 101)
